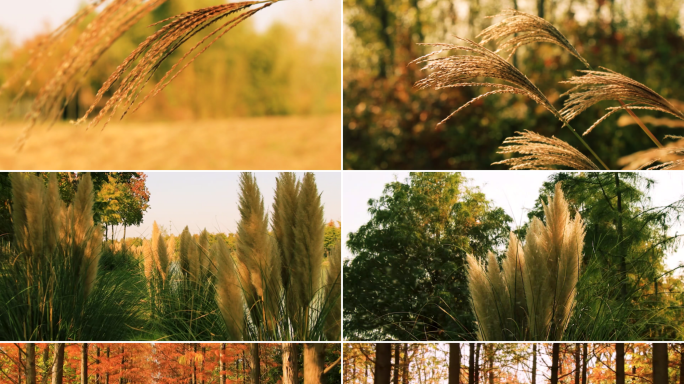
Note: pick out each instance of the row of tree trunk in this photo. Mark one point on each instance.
(314, 364)
(383, 363)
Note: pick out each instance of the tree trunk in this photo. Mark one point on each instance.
(222, 364)
(490, 355)
(477, 363)
(123, 361)
(621, 247)
(84, 363)
(314, 360)
(97, 361)
(107, 373)
(534, 363)
(584, 363)
(30, 363)
(540, 8)
(290, 363)
(454, 363)
(619, 363)
(204, 356)
(578, 363)
(471, 363)
(383, 363)
(405, 375)
(58, 365)
(244, 373)
(256, 364)
(554, 363)
(681, 363)
(660, 363)
(397, 353)
(46, 367)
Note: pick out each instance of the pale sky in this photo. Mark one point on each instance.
(25, 18)
(515, 192)
(210, 200)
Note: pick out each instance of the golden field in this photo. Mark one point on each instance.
(311, 142)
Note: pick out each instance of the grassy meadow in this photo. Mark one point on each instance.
(65, 276)
(241, 143)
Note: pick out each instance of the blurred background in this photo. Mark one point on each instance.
(272, 78)
(388, 124)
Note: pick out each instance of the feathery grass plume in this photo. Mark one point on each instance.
(171, 248)
(596, 86)
(27, 215)
(148, 260)
(283, 220)
(160, 45)
(307, 260)
(671, 157)
(45, 48)
(525, 29)
(484, 302)
(512, 266)
(255, 250)
(552, 257)
(117, 17)
(162, 257)
(203, 251)
(542, 152)
(333, 323)
(229, 290)
(87, 237)
(53, 213)
(188, 255)
(455, 71)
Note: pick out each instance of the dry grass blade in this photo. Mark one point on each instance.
(107, 26)
(542, 153)
(528, 29)
(670, 157)
(455, 71)
(148, 56)
(597, 86)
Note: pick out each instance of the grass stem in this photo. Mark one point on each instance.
(586, 145)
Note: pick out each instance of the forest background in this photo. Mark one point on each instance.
(388, 124)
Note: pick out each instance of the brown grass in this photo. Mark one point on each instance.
(139, 66)
(541, 152)
(242, 143)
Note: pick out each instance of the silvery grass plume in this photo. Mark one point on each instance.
(455, 71)
(525, 29)
(159, 252)
(283, 221)
(148, 260)
(541, 152)
(261, 277)
(117, 17)
(670, 157)
(204, 255)
(229, 290)
(552, 254)
(333, 288)
(171, 249)
(532, 296)
(42, 226)
(188, 256)
(141, 64)
(309, 250)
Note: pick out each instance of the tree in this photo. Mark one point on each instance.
(660, 363)
(620, 363)
(255, 361)
(554, 362)
(407, 279)
(58, 364)
(383, 363)
(454, 363)
(290, 363)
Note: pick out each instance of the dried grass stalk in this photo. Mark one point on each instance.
(455, 71)
(596, 86)
(542, 152)
(525, 29)
(229, 290)
(148, 56)
(106, 27)
(670, 157)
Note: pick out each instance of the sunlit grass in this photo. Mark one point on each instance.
(311, 142)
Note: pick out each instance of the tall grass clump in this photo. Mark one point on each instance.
(532, 296)
(518, 29)
(51, 286)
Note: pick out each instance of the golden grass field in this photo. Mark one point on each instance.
(293, 143)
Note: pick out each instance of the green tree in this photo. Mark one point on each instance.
(408, 278)
(331, 236)
(110, 198)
